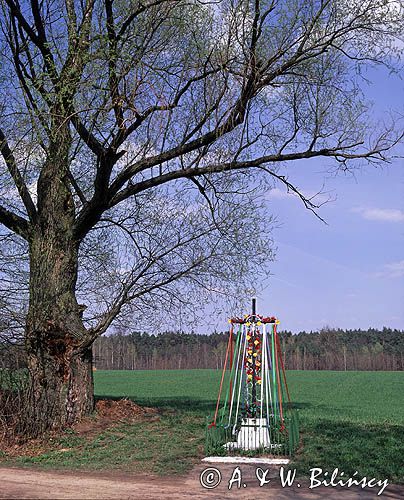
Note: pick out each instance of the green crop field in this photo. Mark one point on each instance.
(350, 420)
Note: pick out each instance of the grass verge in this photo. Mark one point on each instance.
(353, 421)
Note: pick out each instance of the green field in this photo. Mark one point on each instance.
(350, 420)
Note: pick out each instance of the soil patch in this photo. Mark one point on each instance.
(108, 414)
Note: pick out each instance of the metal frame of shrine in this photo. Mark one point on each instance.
(253, 412)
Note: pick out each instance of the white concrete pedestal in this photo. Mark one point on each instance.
(252, 435)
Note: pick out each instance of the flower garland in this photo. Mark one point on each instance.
(247, 320)
(252, 366)
(252, 361)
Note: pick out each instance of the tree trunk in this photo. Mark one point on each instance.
(59, 359)
(58, 346)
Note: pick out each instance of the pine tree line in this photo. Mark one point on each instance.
(328, 349)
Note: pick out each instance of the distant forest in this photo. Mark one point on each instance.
(328, 349)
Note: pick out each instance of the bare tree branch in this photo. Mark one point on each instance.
(17, 177)
(14, 222)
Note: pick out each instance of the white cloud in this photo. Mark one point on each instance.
(318, 198)
(33, 191)
(392, 270)
(381, 214)
(279, 194)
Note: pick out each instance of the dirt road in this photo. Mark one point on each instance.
(38, 484)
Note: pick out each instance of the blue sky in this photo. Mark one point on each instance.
(349, 273)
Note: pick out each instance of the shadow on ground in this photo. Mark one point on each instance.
(371, 450)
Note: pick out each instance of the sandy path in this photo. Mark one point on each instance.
(38, 484)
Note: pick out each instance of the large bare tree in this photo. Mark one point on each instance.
(150, 125)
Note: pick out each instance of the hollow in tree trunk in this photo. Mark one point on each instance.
(57, 343)
(59, 357)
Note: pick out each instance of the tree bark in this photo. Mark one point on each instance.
(59, 359)
(58, 350)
